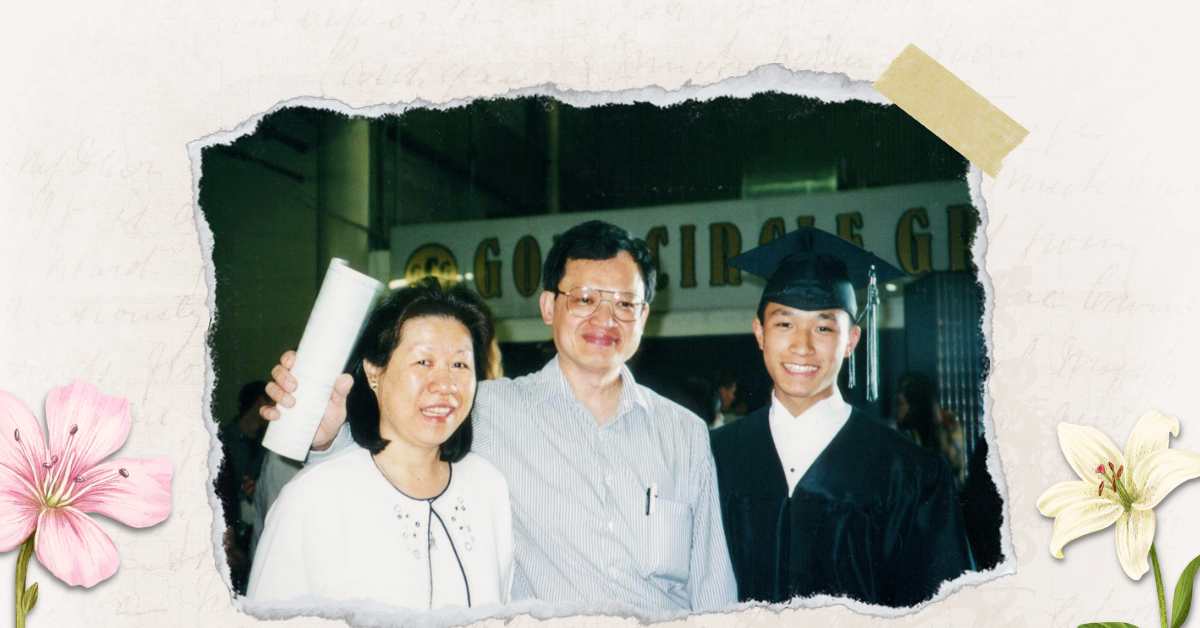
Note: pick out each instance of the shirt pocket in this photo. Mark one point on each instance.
(668, 541)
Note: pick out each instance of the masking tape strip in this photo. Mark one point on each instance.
(957, 114)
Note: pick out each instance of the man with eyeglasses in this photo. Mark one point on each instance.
(613, 487)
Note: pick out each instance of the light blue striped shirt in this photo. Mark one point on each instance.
(579, 495)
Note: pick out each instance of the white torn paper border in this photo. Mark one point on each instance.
(832, 88)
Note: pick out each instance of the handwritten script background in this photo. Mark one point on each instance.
(1090, 228)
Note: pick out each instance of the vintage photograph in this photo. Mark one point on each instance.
(664, 359)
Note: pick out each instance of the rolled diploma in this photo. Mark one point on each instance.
(333, 326)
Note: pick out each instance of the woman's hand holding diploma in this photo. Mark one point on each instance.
(280, 390)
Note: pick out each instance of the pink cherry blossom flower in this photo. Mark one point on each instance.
(47, 490)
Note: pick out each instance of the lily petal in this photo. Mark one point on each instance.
(22, 446)
(1160, 473)
(1063, 495)
(18, 510)
(100, 423)
(1081, 518)
(1135, 533)
(1152, 433)
(1085, 448)
(73, 548)
(139, 497)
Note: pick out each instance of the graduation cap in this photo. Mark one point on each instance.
(809, 269)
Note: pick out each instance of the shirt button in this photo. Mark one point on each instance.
(610, 526)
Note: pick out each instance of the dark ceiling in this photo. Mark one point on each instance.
(621, 156)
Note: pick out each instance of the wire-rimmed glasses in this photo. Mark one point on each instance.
(583, 301)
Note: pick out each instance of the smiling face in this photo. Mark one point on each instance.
(428, 385)
(598, 343)
(803, 351)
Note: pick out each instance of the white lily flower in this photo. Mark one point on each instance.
(1115, 488)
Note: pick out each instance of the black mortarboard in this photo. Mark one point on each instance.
(809, 269)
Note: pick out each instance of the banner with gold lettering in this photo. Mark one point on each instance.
(918, 228)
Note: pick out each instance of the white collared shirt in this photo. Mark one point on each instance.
(800, 439)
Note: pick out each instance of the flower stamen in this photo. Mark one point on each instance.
(1112, 476)
(61, 479)
(57, 481)
(75, 491)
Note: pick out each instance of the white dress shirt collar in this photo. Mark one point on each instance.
(800, 439)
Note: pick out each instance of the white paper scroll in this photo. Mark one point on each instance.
(333, 326)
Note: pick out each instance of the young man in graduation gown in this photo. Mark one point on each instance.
(816, 498)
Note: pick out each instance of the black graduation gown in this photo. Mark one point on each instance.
(875, 518)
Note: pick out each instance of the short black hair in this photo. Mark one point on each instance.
(762, 307)
(380, 337)
(251, 393)
(597, 240)
(764, 302)
(726, 377)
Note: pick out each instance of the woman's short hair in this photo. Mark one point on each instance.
(381, 336)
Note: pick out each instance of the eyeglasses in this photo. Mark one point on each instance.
(582, 302)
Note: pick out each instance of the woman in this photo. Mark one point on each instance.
(409, 517)
(922, 418)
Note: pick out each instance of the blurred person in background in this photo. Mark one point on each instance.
(241, 445)
(726, 394)
(922, 419)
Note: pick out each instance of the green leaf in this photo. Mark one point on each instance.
(1108, 624)
(1183, 593)
(30, 597)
